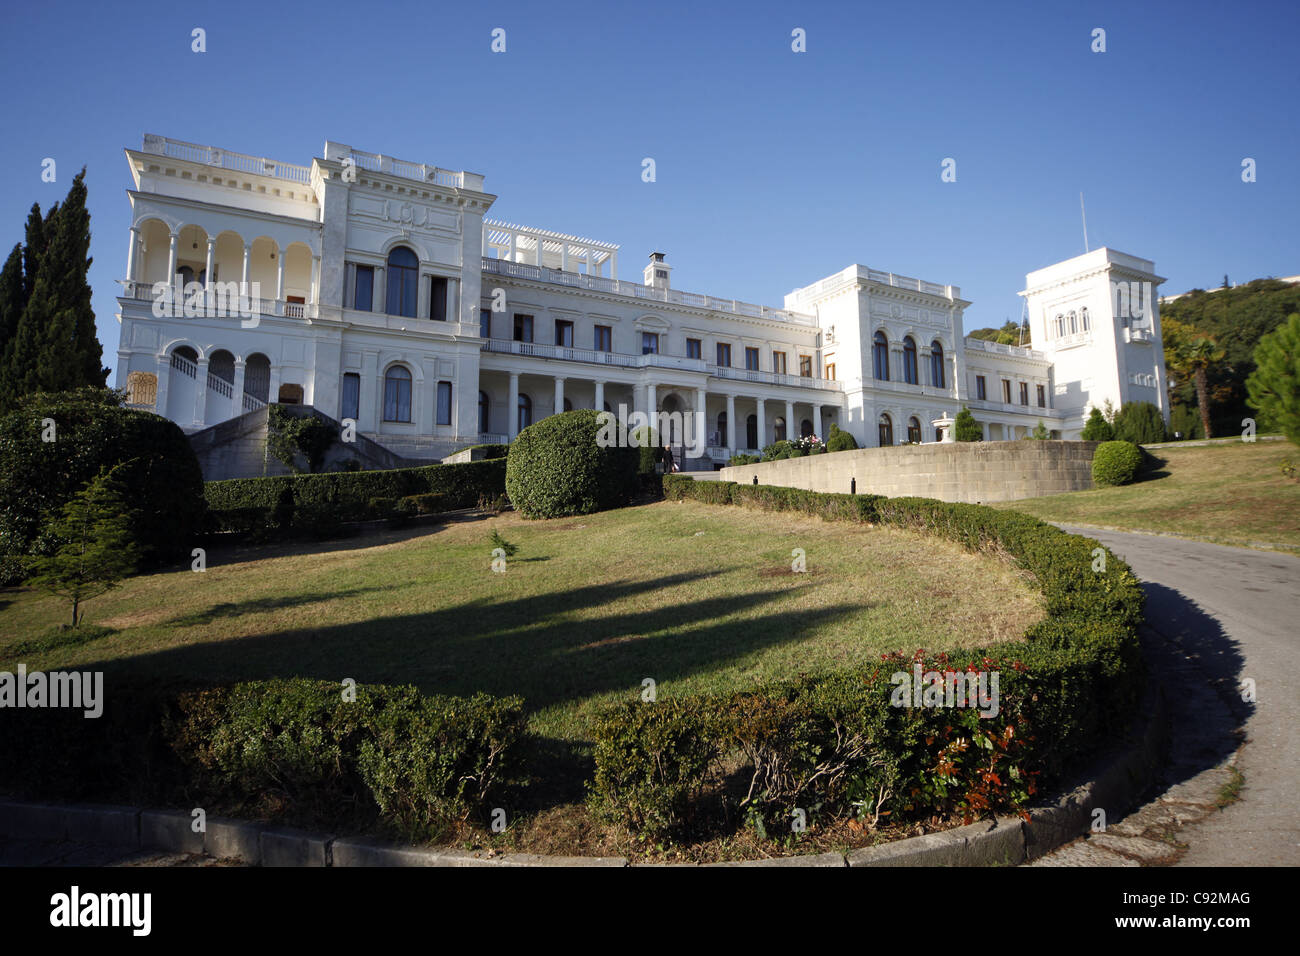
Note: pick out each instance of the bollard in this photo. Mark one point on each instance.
(756, 479)
(853, 486)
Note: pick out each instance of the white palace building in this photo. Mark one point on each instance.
(381, 292)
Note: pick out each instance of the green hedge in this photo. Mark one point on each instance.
(833, 743)
(289, 749)
(573, 463)
(234, 503)
(1116, 463)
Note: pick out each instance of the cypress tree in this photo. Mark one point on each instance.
(55, 347)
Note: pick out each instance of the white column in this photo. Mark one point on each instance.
(312, 292)
(237, 390)
(600, 396)
(243, 288)
(201, 391)
(130, 253)
(701, 420)
(791, 429)
(762, 423)
(540, 247)
(160, 395)
(588, 257)
(380, 301)
(564, 256)
(651, 405)
(559, 394)
(207, 269)
(514, 246)
(279, 278)
(512, 413)
(731, 424)
(613, 266)
(171, 259)
(817, 422)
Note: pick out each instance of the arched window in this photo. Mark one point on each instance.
(937, 377)
(568, 405)
(886, 431)
(722, 428)
(525, 411)
(1060, 326)
(805, 428)
(909, 361)
(751, 432)
(1083, 319)
(778, 429)
(484, 413)
(402, 279)
(880, 357)
(397, 395)
(257, 376)
(1074, 323)
(914, 430)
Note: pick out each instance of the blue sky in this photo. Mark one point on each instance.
(774, 169)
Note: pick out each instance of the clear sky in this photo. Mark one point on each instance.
(774, 168)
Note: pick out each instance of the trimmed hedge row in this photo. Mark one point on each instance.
(238, 504)
(293, 749)
(835, 743)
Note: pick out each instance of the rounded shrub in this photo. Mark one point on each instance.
(156, 467)
(1116, 463)
(840, 440)
(571, 464)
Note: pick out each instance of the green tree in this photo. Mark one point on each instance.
(840, 440)
(965, 427)
(289, 436)
(1040, 433)
(1096, 428)
(1199, 356)
(1274, 387)
(1140, 423)
(54, 346)
(96, 548)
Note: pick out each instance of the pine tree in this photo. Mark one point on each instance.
(13, 300)
(1096, 428)
(96, 548)
(1274, 386)
(965, 428)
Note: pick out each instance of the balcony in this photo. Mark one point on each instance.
(246, 306)
(773, 378)
(592, 356)
(636, 290)
(225, 159)
(983, 345)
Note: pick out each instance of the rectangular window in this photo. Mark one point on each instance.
(649, 343)
(564, 333)
(981, 391)
(830, 371)
(438, 298)
(693, 348)
(778, 363)
(724, 355)
(444, 403)
(805, 366)
(364, 297)
(1024, 393)
(523, 328)
(751, 359)
(351, 407)
(1042, 396)
(485, 323)
(1006, 390)
(604, 339)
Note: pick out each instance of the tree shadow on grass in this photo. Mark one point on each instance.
(238, 608)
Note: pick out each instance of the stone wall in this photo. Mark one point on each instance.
(973, 472)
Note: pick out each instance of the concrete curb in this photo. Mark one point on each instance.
(1114, 787)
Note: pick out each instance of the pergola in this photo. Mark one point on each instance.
(554, 250)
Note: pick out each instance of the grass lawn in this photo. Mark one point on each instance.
(1231, 494)
(695, 597)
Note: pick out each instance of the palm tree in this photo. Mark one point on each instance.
(1197, 357)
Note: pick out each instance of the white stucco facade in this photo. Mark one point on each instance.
(385, 293)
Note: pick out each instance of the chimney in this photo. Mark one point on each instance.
(656, 273)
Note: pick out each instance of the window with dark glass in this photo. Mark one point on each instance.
(1042, 395)
(402, 279)
(1024, 393)
(604, 339)
(649, 343)
(1006, 390)
(523, 327)
(937, 377)
(751, 432)
(364, 294)
(444, 403)
(525, 411)
(886, 427)
(484, 413)
(981, 392)
(397, 395)
(724, 355)
(564, 333)
(351, 406)
(909, 361)
(438, 298)
(805, 366)
(751, 363)
(485, 323)
(914, 431)
(880, 357)
(778, 363)
(693, 349)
